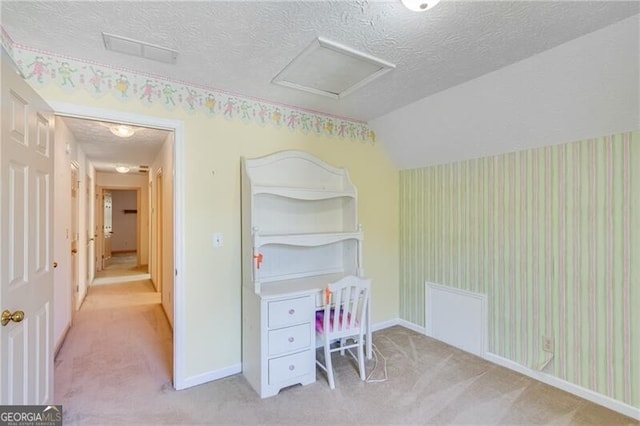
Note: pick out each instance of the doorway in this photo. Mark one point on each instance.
(121, 237)
(172, 201)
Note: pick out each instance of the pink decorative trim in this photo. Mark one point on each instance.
(536, 263)
(577, 336)
(562, 273)
(515, 319)
(593, 232)
(500, 279)
(626, 306)
(524, 238)
(609, 283)
(72, 74)
(491, 283)
(548, 248)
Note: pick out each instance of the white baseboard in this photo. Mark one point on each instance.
(210, 376)
(384, 324)
(65, 332)
(237, 368)
(572, 388)
(397, 321)
(588, 394)
(411, 326)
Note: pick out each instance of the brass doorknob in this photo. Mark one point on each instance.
(74, 251)
(55, 265)
(7, 316)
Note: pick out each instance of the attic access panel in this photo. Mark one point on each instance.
(331, 69)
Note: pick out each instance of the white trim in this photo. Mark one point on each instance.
(411, 326)
(384, 324)
(588, 394)
(397, 321)
(212, 375)
(177, 126)
(572, 388)
(61, 341)
(179, 321)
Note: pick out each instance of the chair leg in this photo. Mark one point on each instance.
(327, 363)
(361, 359)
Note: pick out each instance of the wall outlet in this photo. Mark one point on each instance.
(547, 344)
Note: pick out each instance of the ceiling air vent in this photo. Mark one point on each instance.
(142, 49)
(143, 168)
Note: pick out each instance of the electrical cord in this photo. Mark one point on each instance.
(375, 365)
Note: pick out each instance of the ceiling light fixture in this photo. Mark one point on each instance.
(122, 130)
(419, 5)
(122, 169)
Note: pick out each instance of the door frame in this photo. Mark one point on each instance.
(177, 126)
(158, 201)
(75, 239)
(102, 189)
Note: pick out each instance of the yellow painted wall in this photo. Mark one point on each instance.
(212, 204)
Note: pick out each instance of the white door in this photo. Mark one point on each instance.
(75, 238)
(108, 228)
(26, 244)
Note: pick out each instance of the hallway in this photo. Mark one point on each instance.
(117, 352)
(122, 268)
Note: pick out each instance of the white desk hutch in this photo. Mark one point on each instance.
(299, 233)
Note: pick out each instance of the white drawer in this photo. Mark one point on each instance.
(289, 339)
(289, 367)
(290, 312)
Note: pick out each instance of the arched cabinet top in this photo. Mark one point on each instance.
(297, 174)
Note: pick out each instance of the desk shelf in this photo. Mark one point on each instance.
(300, 232)
(305, 240)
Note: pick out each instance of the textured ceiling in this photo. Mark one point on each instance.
(240, 46)
(107, 150)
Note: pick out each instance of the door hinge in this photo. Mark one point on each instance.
(176, 272)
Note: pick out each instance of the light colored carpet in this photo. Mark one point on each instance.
(122, 268)
(115, 368)
(121, 261)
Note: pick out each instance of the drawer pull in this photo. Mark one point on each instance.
(291, 339)
(292, 367)
(292, 311)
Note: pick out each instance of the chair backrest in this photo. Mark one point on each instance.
(344, 314)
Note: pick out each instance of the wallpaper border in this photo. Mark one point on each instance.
(42, 68)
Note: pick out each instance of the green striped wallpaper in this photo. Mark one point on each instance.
(552, 236)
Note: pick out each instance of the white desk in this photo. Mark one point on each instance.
(312, 285)
(279, 350)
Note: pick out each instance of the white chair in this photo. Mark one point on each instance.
(343, 319)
